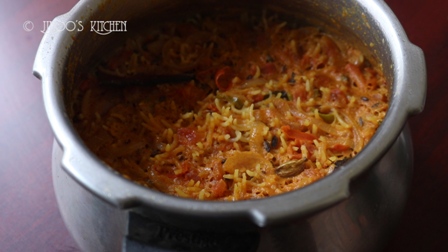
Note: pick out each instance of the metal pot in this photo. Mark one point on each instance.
(353, 209)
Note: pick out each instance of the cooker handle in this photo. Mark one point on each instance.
(55, 39)
(46, 65)
(415, 76)
(45, 52)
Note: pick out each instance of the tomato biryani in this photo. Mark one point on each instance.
(246, 108)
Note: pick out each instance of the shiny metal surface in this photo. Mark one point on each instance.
(361, 201)
(362, 222)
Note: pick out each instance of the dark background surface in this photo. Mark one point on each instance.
(29, 217)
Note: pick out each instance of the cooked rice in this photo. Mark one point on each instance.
(291, 93)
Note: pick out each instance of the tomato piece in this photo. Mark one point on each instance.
(219, 189)
(185, 165)
(268, 68)
(299, 91)
(338, 97)
(356, 75)
(212, 107)
(297, 134)
(339, 148)
(223, 78)
(257, 98)
(190, 90)
(188, 136)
